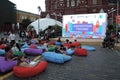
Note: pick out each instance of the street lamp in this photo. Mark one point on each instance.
(39, 13)
(117, 15)
(111, 11)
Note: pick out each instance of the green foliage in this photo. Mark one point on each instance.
(26, 22)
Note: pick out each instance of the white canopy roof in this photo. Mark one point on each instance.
(43, 23)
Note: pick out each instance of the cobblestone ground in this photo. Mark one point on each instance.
(102, 64)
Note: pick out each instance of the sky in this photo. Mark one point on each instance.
(29, 5)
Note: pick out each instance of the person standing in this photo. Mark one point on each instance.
(12, 38)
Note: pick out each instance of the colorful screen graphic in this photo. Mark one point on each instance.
(84, 25)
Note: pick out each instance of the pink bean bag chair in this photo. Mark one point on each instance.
(25, 72)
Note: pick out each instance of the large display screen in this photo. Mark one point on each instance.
(84, 25)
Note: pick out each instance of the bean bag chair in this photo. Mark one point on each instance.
(89, 48)
(32, 51)
(33, 46)
(41, 47)
(23, 49)
(42, 42)
(75, 44)
(25, 72)
(2, 46)
(6, 65)
(69, 51)
(2, 52)
(51, 48)
(58, 43)
(56, 57)
(25, 46)
(51, 43)
(66, 45)
(18, 53)
(80, 52)
(33, 41)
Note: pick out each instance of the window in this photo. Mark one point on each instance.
(61, 0)
(68, 4)
(78, 2)
(94, 10)
(94, 1)
(72, 3)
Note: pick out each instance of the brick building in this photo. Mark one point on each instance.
(65, 7)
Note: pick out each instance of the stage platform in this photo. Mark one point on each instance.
(83, 41)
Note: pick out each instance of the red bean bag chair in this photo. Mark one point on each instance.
(33, 46)
(2, 46)
(51, 43)
(25, 72)
(80, 52)
(75, 44)
(66, 45)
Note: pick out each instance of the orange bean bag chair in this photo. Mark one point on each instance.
(25, 72)
(80, 52)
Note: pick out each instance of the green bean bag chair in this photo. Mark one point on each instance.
(18, 53)
(51, 48)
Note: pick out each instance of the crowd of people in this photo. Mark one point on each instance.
(110, 40)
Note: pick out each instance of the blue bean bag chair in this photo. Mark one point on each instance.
(89, 48)
(6, 65)
(2, 52)
(33, 41)
(56, 57)
(41, 47)
(25, 46)
(69, 51)
(32, 51)
(58, 43)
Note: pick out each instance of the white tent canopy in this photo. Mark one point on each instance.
(43, 23)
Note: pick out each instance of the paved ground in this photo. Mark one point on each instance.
(102, 64)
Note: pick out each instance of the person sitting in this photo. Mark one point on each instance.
(60, 49)
(26, 62)
(59, 39)
(9, 54)
(67, 41)
(15, 47)
(112, 43)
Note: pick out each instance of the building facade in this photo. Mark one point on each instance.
(21, 15)
(7, 15)
(56, 8)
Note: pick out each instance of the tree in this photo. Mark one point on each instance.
(25, 23)
(113, 1)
